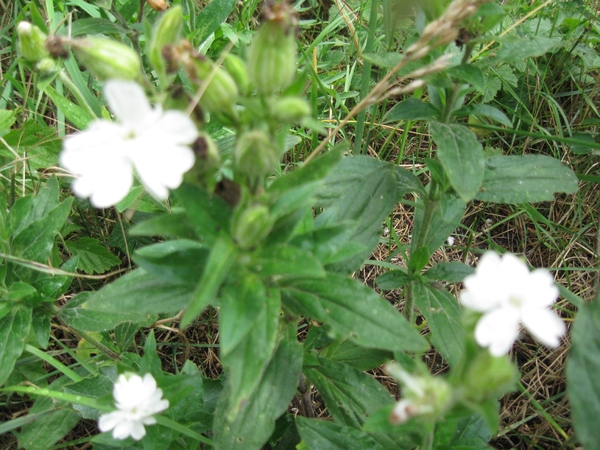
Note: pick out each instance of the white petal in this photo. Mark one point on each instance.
(180, 129)
(498, 330)
(544, 325)
(137, 430)
(107, 422)
(540, 290)
(128, 102)
(123, 429)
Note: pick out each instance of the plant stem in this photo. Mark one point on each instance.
(428, 443)
(66, 80)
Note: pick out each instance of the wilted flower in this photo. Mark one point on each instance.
(137, 400)
(151, 141)
(507, 293)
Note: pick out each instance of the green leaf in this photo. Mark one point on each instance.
(150, 362)
(256, 420)
(7, 120)
(387, 60)
(82, 27)
(394, 279)
(347, 352)
(78, 116)
(14, 328)
(248, 321)
(176, 225)
(518, 49)
(349, 394)
(353, 311)
(461, 155)
(525, 178)
(132, 297)
(93, 257)
(321, 434)
(457, 433)
(329, 243)
(36, 240)
(411, 109)
(452, 272)
(209, 215)
(583, 366)
(49, 429)
(182, 260)
(27, 210)
(211, 17)
(442, 312)
(288, 261)
(365, 190)
(469, 74)
(488, 111)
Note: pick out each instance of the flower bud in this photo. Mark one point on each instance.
(237, 69)
(106, 58)
(47, 66)
(255, 154)
(221, 92)
(32, 42)
(158, 5)
(290, 109)
(272, 53)
(489, 376)
(252, 226)
(167, 31)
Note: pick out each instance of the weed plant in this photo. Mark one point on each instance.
(408, 140)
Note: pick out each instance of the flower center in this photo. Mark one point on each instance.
(516, 301)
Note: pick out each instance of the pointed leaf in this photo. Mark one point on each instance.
(14, 328)
(321, 434)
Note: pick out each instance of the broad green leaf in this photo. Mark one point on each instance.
(150, 362)
(487, 111)
(329, 243)
(93, 257)
(181, 260)
(133, 297)
(19, 290)
(387, 60)
(82, 27)
(347, 352)
(98, 386)
(518, 49)
(14, 328)
(406, 436)
(256, 421)
(321, 434)
(461, 155)
(78, 116)
(7, 120)
(208, 214)
(185, 393)
(394, 279)
(176, 225)
(525, 178)
(470, 74)
(349, 394)
(210, 18)
(411, 109)
(27, 210)
(49, 429)
(287, 261)
(470, 432)
(583, 367)
(452, 272)
(248, 321)
(353, 311)
(362, 189)
(35, 241)
(442, 312)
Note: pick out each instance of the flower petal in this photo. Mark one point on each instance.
(128, 102)
(498, 330)
(544, 325)
(177, 126)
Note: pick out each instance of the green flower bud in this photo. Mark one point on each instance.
(106, 58)
(252, 226)
(272, 53)
(221, 92)
(489, 377)
(290, 109)
(237, 69)
(255, 154)
(32, 42)
(167, 31)
(47, 66)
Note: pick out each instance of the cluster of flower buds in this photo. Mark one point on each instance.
(425, 396)
(33, 49)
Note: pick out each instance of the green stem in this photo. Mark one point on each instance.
(170, 423)
(66, 80)
(53, 362)
(451, 99)
(63, 396)
(409, 304)
(428, 443)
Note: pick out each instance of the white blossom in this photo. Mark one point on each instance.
(137, 400)
(508, 294)
(148, 140)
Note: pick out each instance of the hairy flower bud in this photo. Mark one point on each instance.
(252, 226)
(272, 53)
(290, 109)
(255, 154)
(31, 42)
(167, 31)
(237, 69)
(107, 59)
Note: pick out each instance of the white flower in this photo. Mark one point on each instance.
(149, 140)
(507, 294)
(137, 400)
